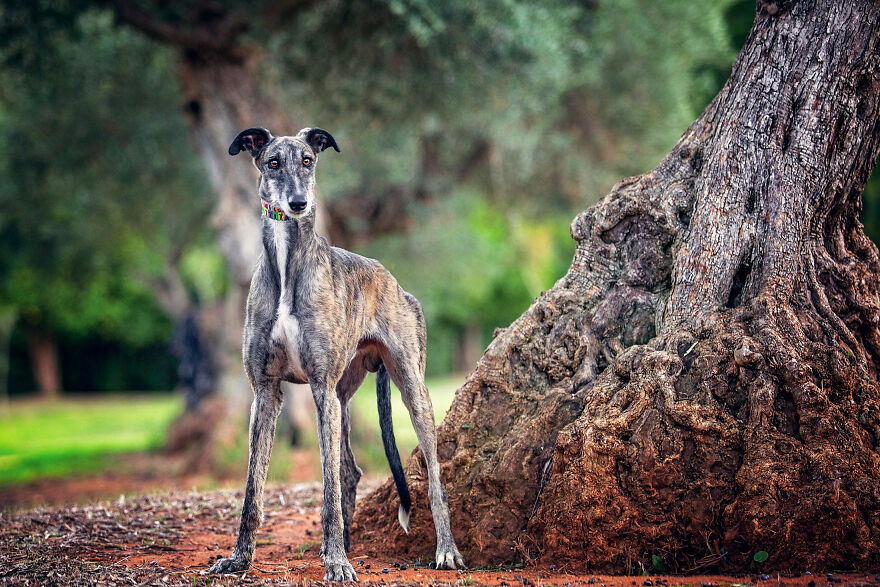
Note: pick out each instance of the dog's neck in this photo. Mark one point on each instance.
(289, 246)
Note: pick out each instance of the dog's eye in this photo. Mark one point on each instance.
(307, 161)
(273, 163)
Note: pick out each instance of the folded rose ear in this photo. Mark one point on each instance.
(252, 140)
(318, 139)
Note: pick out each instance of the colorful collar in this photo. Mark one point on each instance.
(274, 213)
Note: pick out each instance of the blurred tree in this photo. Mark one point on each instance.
(501, 102)
(513, 112)
(93, 227)
(8, 316)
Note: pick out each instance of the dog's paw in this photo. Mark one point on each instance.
(448, 557)
(226, 566)
(339, 571)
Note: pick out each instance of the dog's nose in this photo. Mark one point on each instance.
(298, 205)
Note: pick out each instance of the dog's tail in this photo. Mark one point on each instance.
(383, 394)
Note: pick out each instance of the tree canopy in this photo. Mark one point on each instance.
(487, 125)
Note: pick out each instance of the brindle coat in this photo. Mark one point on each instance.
(321, 315)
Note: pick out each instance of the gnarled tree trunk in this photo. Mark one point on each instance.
(703, 383)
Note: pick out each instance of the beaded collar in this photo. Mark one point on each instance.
(274, 213)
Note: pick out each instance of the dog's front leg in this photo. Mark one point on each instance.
(264, 413)
(336, 565)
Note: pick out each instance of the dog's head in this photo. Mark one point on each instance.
(286, 166)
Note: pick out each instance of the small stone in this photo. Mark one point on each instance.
(396, 565)
(648, 583)
(219, 556)
(432, 565)
(807, 573)
(552, 567)
(154, 563)
(592, 580)
(403, 567)
(360, 563)
(366, 566)
(765, 577)
(386, 571)
(877, 578)
(811, 584)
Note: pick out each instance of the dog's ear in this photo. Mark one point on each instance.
(318, 139)
(252, 140)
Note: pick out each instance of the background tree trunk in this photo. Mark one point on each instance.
(8, 318)
(702, 384)
(43, 351)
(222, 98)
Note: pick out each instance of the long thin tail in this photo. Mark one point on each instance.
(383, 394)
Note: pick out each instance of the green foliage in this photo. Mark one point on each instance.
(657, 563)
(77, 436)
(204, 272)
(871, 211)
(568, 97)
(97, 196)
(366, 436)
(761, 556)
(473, 262)
(513, 115)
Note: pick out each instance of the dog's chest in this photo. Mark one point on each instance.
(287, 336)
(286, 333)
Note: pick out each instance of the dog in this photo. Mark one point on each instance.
(324, 316)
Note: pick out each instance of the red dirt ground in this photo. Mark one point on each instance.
(170, 538)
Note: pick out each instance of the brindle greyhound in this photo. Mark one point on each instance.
(321, 315)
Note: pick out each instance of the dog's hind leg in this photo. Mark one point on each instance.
(407, 372)
(349, 473)
(264, 413)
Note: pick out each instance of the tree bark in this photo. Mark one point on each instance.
(8, 318)
(223, 96)
(702, 383)
(43, 350)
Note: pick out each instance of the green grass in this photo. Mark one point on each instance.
(366, 437)
(75, 436)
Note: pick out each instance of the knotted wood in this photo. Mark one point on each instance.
(702, 383)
